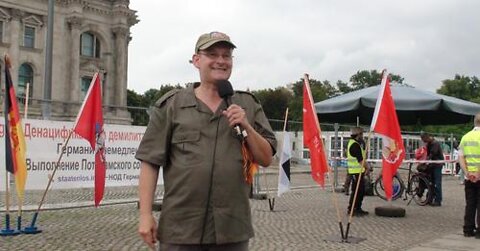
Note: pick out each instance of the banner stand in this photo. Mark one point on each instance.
(32, 229)
(8, 231)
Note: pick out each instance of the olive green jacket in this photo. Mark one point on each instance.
(205, 192)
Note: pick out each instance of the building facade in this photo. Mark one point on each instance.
(88, 36)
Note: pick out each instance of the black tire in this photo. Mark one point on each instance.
(390, 211)
(421, 189)
(398, 188)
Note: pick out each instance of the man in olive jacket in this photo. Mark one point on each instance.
(206, 204)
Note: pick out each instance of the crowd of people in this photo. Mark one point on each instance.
(207, 139)
(467, 152)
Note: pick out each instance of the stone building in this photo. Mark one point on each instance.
(89, 36)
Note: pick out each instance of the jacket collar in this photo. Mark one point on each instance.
(189, 100)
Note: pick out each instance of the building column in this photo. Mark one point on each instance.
(121, 36)
(16, 32)
(75, 24)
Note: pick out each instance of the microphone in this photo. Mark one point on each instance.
(225, 91)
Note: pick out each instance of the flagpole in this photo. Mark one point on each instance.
(27, 93)
(89, 125)
(19, 214)
(95, 83)
(360, 177)
(329, 170)
(285, 122)
(271, 206)
(7, 194)
(32, 229)
(266, 185)
(335, 202)
(21, 200)
(389, 129)
(7, 230)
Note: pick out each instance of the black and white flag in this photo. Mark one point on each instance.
(284, 165)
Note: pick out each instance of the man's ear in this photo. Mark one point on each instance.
(194, 60)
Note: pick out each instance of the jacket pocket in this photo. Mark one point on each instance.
(185, 137)
(186, 149)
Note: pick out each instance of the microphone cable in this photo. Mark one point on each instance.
(211, 183)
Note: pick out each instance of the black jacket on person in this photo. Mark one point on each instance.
(434, 152)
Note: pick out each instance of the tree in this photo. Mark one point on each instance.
(136, 104)
(343, 87)
(139, 104)
(274, 102)
(462, 87)
(364, 79)
(152, 95)
(133, 99)
(320, 91)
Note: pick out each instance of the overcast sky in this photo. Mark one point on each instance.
(278, 41)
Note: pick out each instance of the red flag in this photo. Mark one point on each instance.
(385, 123)
(15, 147)
(89, 125)
(312, 136)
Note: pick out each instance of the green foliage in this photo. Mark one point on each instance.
(275, 101)
(320, 91)
(462, 87)
(364, 79)
(134, 103)
(456, 130)
(133, 99)
(152, 95)
(343, 87)
(139, 104)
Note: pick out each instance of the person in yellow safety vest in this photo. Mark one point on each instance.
(469, 160)
(355, 167)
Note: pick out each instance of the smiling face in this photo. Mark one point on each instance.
(214, 63)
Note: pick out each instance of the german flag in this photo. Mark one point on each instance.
(15, 147)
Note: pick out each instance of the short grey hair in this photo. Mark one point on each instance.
(476, 121)
(425, 135)
(356, 131)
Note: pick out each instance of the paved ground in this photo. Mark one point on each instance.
(302, 220)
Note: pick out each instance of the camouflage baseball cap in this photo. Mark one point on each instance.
(208, 39)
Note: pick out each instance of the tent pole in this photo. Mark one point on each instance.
(335, 156)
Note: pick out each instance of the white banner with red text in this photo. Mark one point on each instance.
(45, 141)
